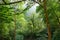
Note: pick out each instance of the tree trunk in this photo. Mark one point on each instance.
(46, 17)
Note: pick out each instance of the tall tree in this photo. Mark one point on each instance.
(46, 17)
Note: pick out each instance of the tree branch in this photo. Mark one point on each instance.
(9, 3)
(38, 3)
(4, 1)
(17, 2)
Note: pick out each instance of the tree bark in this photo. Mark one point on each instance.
(46, 17)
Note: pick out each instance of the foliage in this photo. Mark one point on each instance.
(29, 26)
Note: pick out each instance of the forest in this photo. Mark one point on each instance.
(29, 19)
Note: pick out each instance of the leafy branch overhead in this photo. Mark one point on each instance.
(9, 3)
